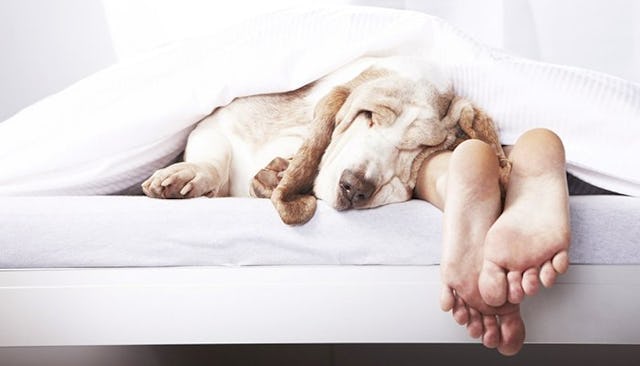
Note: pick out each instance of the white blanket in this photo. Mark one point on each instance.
(109, 131)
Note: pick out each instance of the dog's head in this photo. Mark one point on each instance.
(367, 137)
(380, 129)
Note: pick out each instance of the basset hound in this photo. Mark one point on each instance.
(355, 139)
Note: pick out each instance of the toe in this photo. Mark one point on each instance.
(447, 299)
(186, 174)
(155, 189)
(168, 181)
(548, 274)
(560, 261)
(516, 293)
(460, 312)
(186, 189)
(145, 187)
(474, 327)
(493, 284)
(146, 183)
(530, 282)
(491, 336)
(512, 334)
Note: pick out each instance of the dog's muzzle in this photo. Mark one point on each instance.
(354, 190)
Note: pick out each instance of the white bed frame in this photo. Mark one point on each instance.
(292, 304)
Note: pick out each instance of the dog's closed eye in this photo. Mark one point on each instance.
(369, 117)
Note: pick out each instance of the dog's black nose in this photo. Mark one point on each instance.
(355, 187)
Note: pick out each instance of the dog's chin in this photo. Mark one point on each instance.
(341, 204)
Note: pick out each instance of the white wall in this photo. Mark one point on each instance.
(45, 45)
(598, 34)
(602, 35)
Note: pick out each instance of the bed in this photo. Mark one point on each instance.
(83, 264)
(111, 271)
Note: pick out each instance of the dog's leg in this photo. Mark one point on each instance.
(205, 171)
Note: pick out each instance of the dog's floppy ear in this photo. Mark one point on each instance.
(462, 120)
(373, 98)
(293, 197)
(432, 131)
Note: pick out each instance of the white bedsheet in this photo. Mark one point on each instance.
(111, 130)
(130, 231)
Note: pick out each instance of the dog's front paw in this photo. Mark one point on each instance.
(268, 178)
(183, 180)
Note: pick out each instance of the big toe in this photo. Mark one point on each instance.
(492, 284)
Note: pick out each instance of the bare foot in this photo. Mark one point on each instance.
(183, 180)
(529, 242)
(472, 204)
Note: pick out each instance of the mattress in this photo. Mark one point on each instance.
(135, 231)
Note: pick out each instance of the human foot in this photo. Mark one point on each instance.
(528, 244)
(506, 331)
(472, 204)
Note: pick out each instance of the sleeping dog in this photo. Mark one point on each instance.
(355, 139)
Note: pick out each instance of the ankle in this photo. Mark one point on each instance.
(431, 181)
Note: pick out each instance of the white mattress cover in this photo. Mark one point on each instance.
(131, 231)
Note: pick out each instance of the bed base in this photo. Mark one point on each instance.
(292, 304)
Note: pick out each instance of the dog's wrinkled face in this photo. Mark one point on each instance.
(380, 129)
